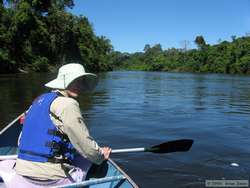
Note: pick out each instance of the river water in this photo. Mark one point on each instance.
(137, 109)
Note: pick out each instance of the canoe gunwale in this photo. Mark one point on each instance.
(124, 173)
(10, 124)
(92, 182)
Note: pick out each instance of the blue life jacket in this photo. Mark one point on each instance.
(40, 140)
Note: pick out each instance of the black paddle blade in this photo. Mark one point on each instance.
(171, 146)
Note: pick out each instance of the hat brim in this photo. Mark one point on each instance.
(89, 82)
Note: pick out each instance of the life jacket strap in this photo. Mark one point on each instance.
(54, 145)
(55, 116)
(57, 133)
(49, 158)
(58, 149)
(34, 153)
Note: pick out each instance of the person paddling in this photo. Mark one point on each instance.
(54, 132)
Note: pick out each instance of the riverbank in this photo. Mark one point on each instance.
(230, 57)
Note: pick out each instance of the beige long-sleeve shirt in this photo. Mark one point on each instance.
(70, 122)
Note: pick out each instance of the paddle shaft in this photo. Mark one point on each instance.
(166, 147)
(128, 150)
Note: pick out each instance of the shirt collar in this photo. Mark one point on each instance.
(62, 92)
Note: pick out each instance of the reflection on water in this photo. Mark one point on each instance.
(134, 109)
(17, 92)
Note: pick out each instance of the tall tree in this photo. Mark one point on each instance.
(146, 48)
(200, 42)
(36, 34)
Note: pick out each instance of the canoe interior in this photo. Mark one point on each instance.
(8, 146)
(9, 137)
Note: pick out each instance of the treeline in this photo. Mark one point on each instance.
(225, 57)
(38, 35)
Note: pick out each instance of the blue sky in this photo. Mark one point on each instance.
(130, 24)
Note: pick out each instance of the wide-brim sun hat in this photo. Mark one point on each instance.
(69, 73)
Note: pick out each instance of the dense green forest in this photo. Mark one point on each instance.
(224, 57)
(40, 35)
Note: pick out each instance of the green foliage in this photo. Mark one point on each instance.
(225, 57)
(38, 34)
(158, 62)
(243, 64)
(41, 64)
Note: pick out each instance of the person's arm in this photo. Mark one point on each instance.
(78, 134)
